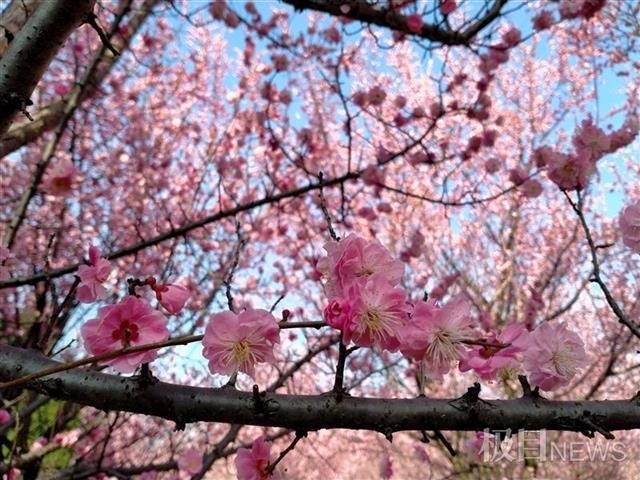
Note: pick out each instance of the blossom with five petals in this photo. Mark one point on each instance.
(552, 355)
(373, 312)
(434, 335)
(129, 323)
(235, 343)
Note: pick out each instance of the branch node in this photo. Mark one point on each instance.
(468, 400)
(526, 389)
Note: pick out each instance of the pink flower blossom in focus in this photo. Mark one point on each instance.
(129, 323)
(5, 416)
(488, 361)
(92, 277)
(235, 343)
(629, 221)
(376, 313)
(190, 461)
(434, 335)
(59, 179)
(552, 355)
(353, 258)
(252, 464)
(337, 312)
(171, 297)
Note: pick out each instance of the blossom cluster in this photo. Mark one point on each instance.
(571, 171)
(371, 310)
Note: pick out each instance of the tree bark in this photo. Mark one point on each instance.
(185, 404)
(32, 49)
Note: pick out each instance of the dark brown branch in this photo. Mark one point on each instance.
(33, 48)
(184, 404)
(48, 117)
(366, 12)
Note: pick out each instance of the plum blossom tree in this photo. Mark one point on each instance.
(317, 239)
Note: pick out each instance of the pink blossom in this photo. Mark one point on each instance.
(552, 355)
(190, 461)
(434, 335)
(488, 361)
(569, 172)
(332, 35)
(92, 277)
(590, 141)
(629, 221)
(543, 155)
(235, 343)
(518, 175)
(352, 258)
(129, 323)
(543, 20)
(68, 438)
(60, 177)
(400, 101)
(280, 62)
(570, 8)
(447, 6)
(337, 312)
(511, 37)
(531, 188)
(253, 464)
(492, 165)
(415, 23)
(171, 297)
(373, 175)
(360, 98)
(626, 134)
(38, 443)
(376, 96)
(5, 416)
(373, 312)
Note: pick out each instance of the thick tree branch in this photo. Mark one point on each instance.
(48, 117)
(184, 404)
(13, 19)
(33, 48)
(368, 13)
